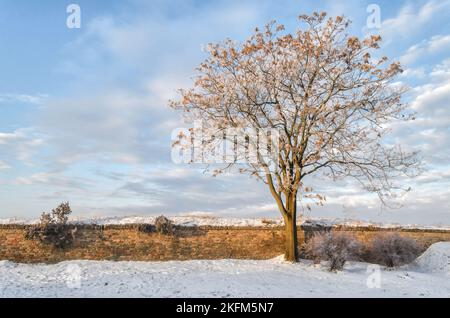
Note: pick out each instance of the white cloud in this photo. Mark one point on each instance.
(55, 180)
(4, 165)
(441, 72)
(33, 179)
(436, 44)
(410, 19)
(20, 145)
(433, 100)
(8, 137)
(418, 72)
(23, 98)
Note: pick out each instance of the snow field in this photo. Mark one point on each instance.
(428, 276)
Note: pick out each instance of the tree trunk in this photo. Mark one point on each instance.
(291, 253)
(290, 220)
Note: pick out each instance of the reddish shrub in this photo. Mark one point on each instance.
(393, 250)
(337, 248)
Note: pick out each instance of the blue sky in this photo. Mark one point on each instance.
(84, 116)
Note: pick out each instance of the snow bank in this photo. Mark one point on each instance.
(212, 278)
(189, 220)
(5, 265)
(17, 221)
(184, 220)
(208, 220)
(435, 259)
(358, 223)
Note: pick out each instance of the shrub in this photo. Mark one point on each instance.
(53, 228)
(337, 248)
(393, 250)
(164, 226)
(146, 228)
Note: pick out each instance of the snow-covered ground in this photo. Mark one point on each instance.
(429, 276)
(185, 220)
(209, 220)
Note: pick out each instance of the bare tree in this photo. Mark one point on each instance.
(325, 93)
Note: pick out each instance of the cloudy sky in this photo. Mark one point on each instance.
(84, 116)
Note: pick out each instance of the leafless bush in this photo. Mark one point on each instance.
(337, 248)
(53, 228)
(393, 250)
(146, 228)
(164, 226)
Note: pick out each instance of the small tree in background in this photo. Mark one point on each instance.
(326, 94)
(59, 215)
(53, 228)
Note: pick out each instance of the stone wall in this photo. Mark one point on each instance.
(125, 242)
